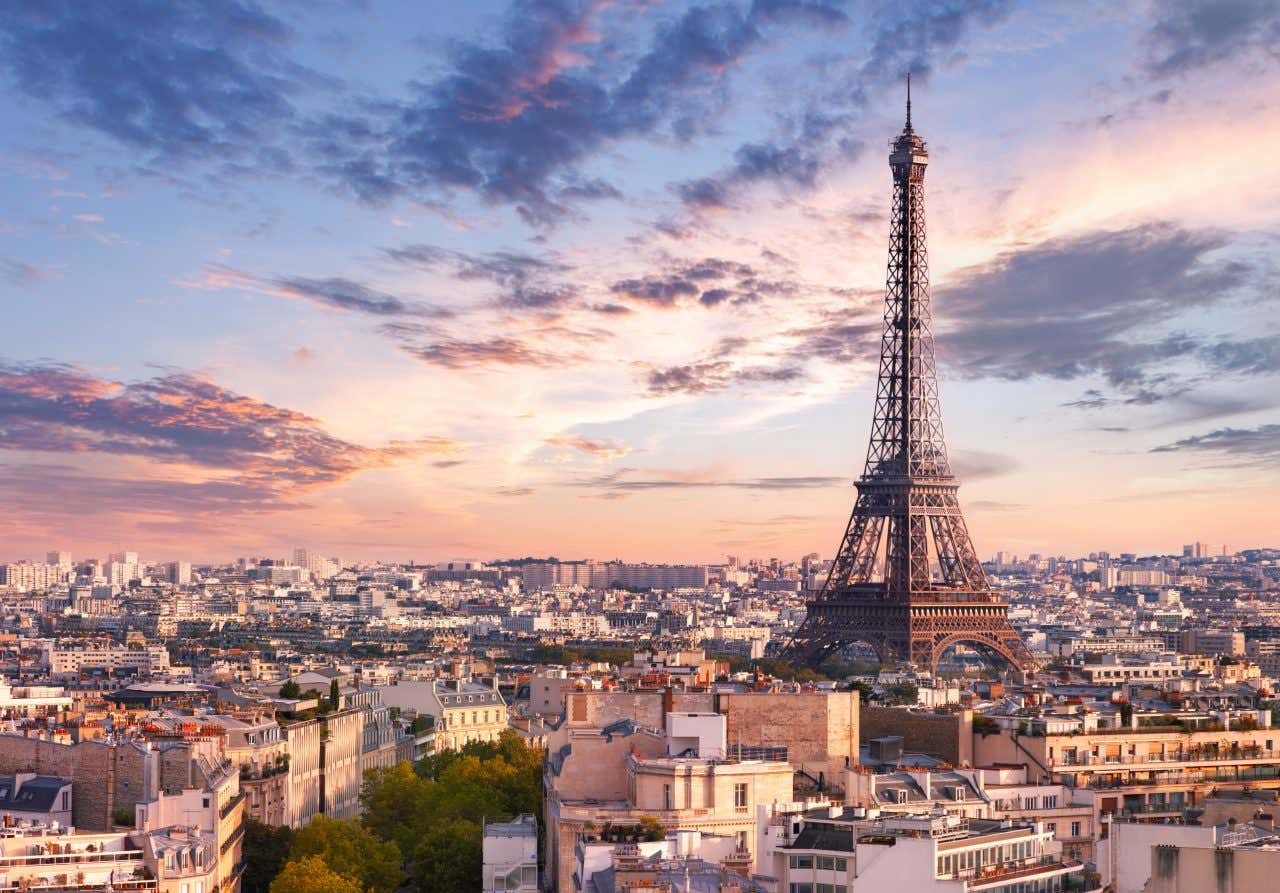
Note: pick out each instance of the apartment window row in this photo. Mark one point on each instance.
(822, 863)
(819, 888)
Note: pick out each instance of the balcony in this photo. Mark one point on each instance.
(1236, 756)
(131, 884)
(1241, 774)
(78, 858)
(991, 875)
(231, 804)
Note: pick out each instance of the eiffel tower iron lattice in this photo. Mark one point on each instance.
(906, 580)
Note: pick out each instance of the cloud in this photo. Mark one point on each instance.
(510, 120)
(527, 282)
(621, 483)
(21, 273)
(514, 491)
(1087, 305)
(255, 452)
(712, 281)
(345, 294)
(460, 353)
(604, 449)
(1192, 34)
(334, 292)
(839, 342)
(903, 38)
(178, 78)
(709, 376)
(979, 465)
(1259, 445)
(1252, 356)
(990, 505)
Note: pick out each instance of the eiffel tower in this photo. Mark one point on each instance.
(906, 580)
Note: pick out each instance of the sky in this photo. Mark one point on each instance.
(582, 278)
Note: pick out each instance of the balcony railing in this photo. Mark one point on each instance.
(231, 804)
(118, 885)
(80, 858)
(1006, 871)
(1242, 755)
(1249, 773)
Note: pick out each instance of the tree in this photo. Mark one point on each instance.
(351, 850)
(435, 811)
(310, 874)
(266, 848)
(448, 859)
(865, 691)
(290, 690)
(335, 696)
(902, 693)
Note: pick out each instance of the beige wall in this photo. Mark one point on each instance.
(819, 729)
(949, 735)
(1208, 870)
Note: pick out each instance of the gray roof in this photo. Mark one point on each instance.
(37, 794)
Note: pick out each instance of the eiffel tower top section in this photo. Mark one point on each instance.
(906, 436)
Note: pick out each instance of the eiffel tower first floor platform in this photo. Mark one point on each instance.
(919, 630)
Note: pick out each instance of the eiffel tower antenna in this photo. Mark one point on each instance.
(906, 579)
(908, 102)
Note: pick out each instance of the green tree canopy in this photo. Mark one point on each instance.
(435, 811)
(290, 689)
(351, 850)
(310, 874)
(449, 857)
(266, 848)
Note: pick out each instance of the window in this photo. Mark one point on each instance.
(1052, 827)
(666, 796)
(740, 794)
(825, 888)
(802, 861)
(826, 863)
(1051, 801)
(743, 841)
(1075, 829)
(66, 797)
(841, 865)
(802, 888)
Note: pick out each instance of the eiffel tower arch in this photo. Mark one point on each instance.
(906, 579)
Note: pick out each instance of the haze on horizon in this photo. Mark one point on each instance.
(596, 279)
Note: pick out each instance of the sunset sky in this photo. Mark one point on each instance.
(435, 280)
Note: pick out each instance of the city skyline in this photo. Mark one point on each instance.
(555, 281)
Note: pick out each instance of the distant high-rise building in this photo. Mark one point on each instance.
(320, 567)
(179, 572)
(29, 577)
(58, 558)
